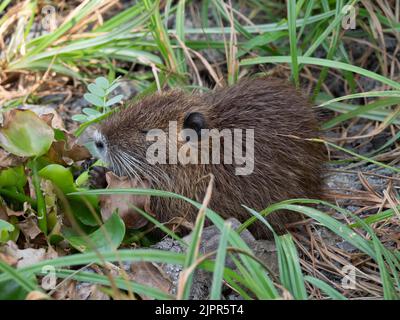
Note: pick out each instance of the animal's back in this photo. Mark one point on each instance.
(286, 164)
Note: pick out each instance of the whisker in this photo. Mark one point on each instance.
(130, 169)
(152, 171)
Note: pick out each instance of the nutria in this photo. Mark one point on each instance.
(286, 163)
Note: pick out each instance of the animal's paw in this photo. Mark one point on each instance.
(97, 177)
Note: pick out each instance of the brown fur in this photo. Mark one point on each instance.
(286, 165)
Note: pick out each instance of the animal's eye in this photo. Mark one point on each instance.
(145, 131)
(99, 145)
(194, 121)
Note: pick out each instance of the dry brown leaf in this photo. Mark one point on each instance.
(9, 160)
(6, 258)
(14, 213)
(110, 203)
(36, 295)
(87, 291)
(3, 210)
(14, 256)
(148, 274)
(65, 290)
(25, 257)
(30, 228)
(67, 152)
(48, 114)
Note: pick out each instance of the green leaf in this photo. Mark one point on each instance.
(60, 176)
(91, 112)
(114, 100)
(108, 237)
(25, 134)
(5, 229)
(102, 83)
(82, 179)
(13, 177)
(112, 88)
(79, 118)
(95, 100)
(96, 90)
(83, 126)
(81, 207)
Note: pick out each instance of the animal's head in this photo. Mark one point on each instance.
(124, 138)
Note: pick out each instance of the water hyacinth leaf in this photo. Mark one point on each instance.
(114, 100)
(96, 90)
(60, 176)
(25, 134)
(95, 100)
(81, 207)
(5, 229)
(102, 83)
(108, 237)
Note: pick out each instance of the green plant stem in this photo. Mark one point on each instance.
(41, 205)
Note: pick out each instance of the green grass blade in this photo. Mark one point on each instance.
(15, 275)
(257, 271)
(150, 255)
(309, 8)
(123, 17)
(161, 226)
(359, 156)
(327, 31)
(4, 4)
(220, 263)
(370, 111)
(326, 288)
(369, 94)
(290, 270)
(46, 41)
(324, 63)
(180, 32)
(291, 16)
(332, 224)
(269, 27)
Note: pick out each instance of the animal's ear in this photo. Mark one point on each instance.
(195, 121)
